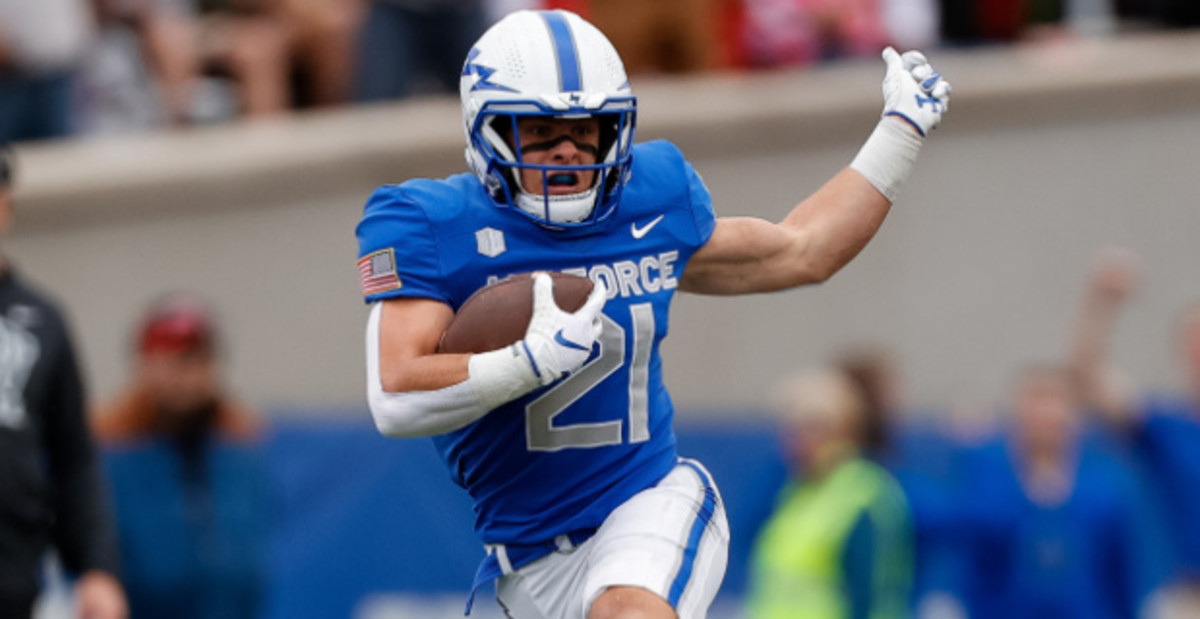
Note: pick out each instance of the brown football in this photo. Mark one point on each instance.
(498, 315)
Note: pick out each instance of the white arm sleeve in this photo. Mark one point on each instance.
(493, 378)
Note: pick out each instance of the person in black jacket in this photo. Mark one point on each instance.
(51, 492)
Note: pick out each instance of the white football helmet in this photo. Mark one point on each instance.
(552, 64)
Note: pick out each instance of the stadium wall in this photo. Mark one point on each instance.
(1050, 151)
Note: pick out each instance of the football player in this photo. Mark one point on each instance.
(564, 439)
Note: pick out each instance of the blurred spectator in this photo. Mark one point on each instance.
(495, 10)
(1091, 17)
(1171, 13)
(923, 458)
(840, 542)
(324, 37)
(1135, 9)
(412, 46)
(1053, 529)
(671, 36)
(911, 24)
(41, 45)
(1045, 12)
(957, 21)
(667, 36)
(51, 491)
(997, 21)
(259, 43)
(1180, 13)
(180, 61)
(1163, 431)
(140, 71)
(185, 469)
(801, 32)
(875, 373)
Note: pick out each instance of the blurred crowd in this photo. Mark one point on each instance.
(156, 502)
(103, 67)
(186, 473)
(1079, 502)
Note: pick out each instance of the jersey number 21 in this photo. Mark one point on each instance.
(541, 434)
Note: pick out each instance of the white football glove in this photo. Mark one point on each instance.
(558, 343)
(914, 91)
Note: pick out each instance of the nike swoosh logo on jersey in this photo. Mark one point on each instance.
(558, 337)
(640, 232)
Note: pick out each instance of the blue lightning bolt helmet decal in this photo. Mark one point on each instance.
(483, 73)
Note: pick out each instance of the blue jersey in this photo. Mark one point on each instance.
(1166, 444)
(561, 458)
(1083, 558)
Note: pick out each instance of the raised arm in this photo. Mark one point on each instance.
(815, 240)
(1112, 282)
(825, 231)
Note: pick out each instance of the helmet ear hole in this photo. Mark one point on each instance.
(610, 131)
(608, 134)
(498, 131)
(503, 126)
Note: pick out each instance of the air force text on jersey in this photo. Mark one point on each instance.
(628, 278)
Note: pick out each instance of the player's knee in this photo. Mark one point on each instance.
(630, 603)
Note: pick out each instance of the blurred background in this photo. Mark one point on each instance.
(225, 148)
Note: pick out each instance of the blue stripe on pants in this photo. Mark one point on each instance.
(707, 508)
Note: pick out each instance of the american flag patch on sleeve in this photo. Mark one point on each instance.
(377, 272)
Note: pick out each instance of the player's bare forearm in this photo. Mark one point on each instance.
(841, 218)
(1112, 282)
(409, 332)
(819, 237)
(1089, 345)
(1094, 378)
(413, 390)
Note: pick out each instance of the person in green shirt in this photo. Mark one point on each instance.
(839, 544)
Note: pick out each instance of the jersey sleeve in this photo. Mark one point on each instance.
(701, 202)
(397, 249)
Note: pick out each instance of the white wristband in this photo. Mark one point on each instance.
(501, 376)
(887, 157)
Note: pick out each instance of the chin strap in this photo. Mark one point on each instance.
(564, 209)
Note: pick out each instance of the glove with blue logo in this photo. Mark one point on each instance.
(558, 343)
(915, 97)
(914, 91)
